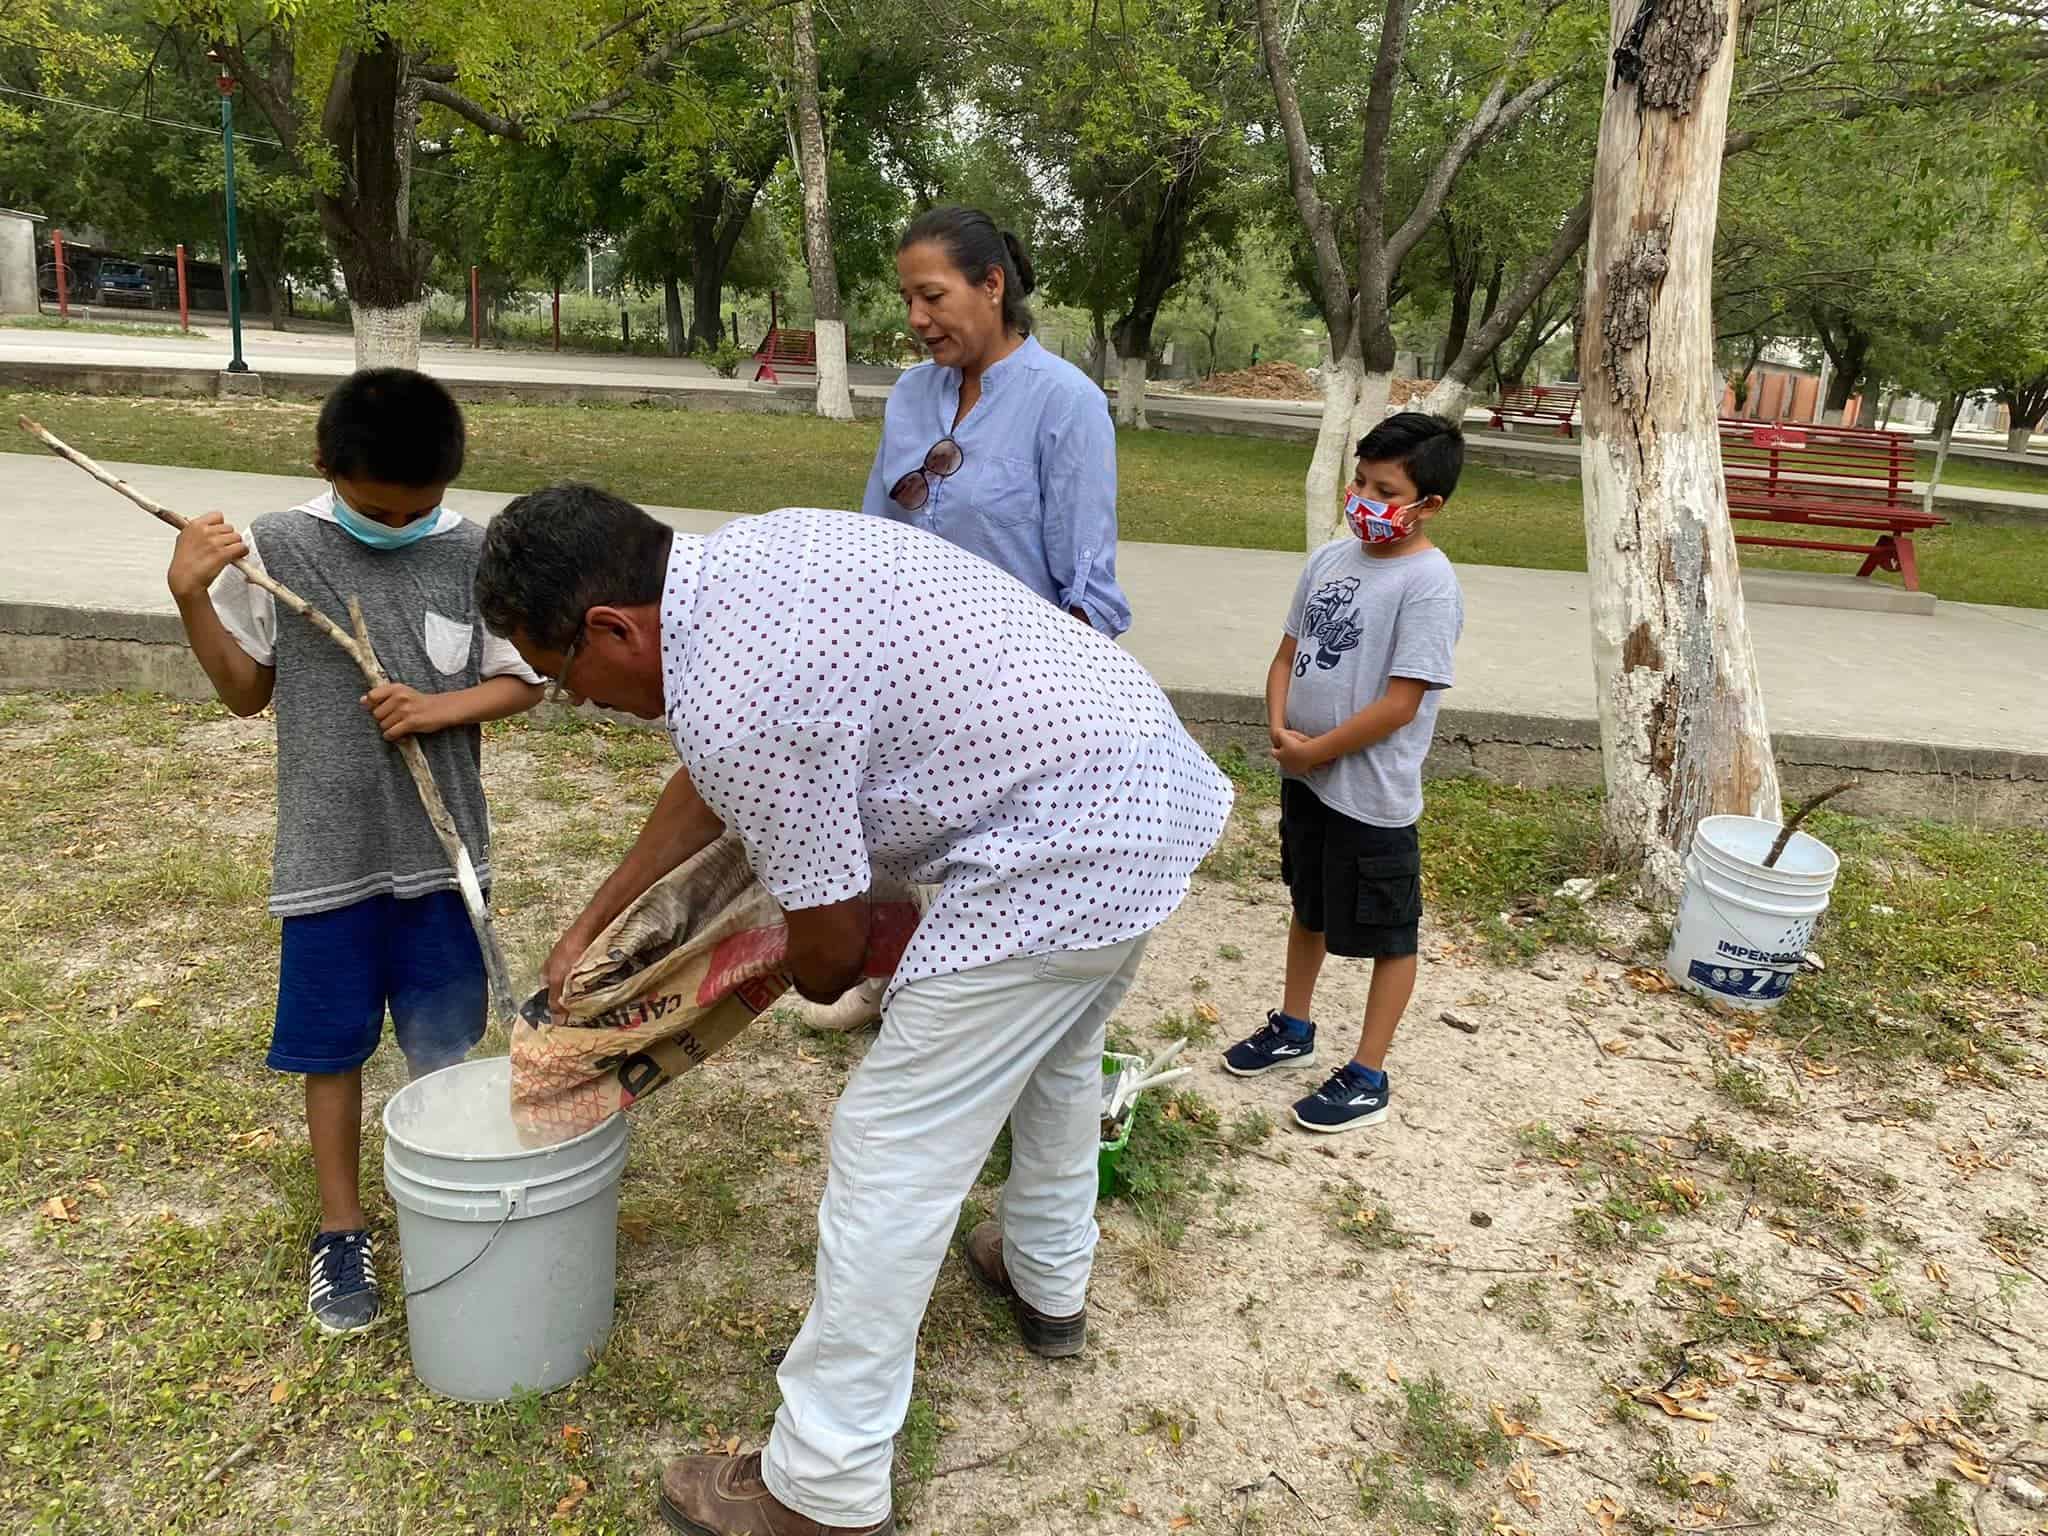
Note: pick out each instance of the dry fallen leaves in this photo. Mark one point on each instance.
(1674, 1407)
(1180, 1522)
(1130, 1511)
(95, 1331)
(60, 1208)
(1648, 978)
(572, 1437)
(279, 1393)
(1208, 1013)
(579, 1488)
(1522, 1484)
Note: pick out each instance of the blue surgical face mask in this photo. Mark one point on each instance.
(367, 530)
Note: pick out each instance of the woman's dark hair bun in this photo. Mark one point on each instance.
(1027, 279)
(975, 245)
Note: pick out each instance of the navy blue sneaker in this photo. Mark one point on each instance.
(1273, 1046)
(341, 1284)
(1347, 1101)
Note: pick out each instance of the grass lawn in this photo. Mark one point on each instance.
(100, 327)
(1173, 488)
(156, 1192)
(2030, 475)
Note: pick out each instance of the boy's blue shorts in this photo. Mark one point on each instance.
(340, 970)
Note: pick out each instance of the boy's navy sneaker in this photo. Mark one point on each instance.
(341, 1285)
(1347, 1101)
(1278, 1044)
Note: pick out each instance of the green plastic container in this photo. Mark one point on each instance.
(1109, 1159)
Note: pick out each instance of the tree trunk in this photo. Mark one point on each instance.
(1464, 280)
(2018, 439)
(1944, 435)
(835, 399)
(1454, 390)
(718, 217)
(1682, 729)
(1355, 390)
(1848, 350)
(369, 126)
(1448, 398)
(672, 312)
(1130, 392)
(1098, 361)
(1160, 265)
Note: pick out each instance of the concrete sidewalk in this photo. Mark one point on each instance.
(1941, 715)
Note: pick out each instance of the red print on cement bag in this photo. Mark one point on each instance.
(681, 972)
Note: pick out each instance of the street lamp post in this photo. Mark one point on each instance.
(230, 262)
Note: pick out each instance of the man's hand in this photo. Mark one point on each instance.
(206, 546)
(401, 711)
(562, 959)
(827, 948)
(1295, 753)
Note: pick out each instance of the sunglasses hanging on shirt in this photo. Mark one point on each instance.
(915, 489)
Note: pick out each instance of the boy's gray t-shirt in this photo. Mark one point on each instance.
(349, 821)
(1358, 622)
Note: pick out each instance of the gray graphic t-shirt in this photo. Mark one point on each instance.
(1357, 622)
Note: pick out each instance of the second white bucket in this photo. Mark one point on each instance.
(1743, 929)
(508, 1252)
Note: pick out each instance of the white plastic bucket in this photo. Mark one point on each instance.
(508, 1252)
(1743, 930)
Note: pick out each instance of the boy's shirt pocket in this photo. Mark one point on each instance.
(448, 643)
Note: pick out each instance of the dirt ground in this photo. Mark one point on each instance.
(1614, 1264)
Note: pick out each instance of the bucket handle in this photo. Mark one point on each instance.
(514, 1196)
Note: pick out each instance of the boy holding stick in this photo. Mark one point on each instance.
(372, 916)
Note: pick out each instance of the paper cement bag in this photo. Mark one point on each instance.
(681, 972)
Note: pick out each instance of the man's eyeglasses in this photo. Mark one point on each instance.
(915, 488)
(557, 687)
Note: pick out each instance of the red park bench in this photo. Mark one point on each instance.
(785, 349)
(1539, 403)
(1828, 478)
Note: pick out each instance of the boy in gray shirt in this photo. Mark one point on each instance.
(371, 915)
(1351, 700)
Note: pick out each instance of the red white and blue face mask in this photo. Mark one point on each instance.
(1375, 522)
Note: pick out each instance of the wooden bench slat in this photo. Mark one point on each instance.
(1827, 477)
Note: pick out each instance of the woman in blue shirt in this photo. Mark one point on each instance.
(995, 443)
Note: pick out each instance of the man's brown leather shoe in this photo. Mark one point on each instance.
(725, 1496)
(1054, 1338)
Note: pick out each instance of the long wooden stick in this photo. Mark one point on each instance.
(1792, 824)
(364, 655)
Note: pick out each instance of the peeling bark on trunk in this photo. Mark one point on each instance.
(1682, 728)
(835, 399)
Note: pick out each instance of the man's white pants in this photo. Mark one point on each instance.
(957, 1055)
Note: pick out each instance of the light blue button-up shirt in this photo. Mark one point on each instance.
(1035, 493)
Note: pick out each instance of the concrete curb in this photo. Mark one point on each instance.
(69, 649)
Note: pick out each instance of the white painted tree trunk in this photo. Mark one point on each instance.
(2018, 439)
(835, 399)
(1130, 393)
(1448, 398)
(1353, 403)
(387, 338)
(1682, 728)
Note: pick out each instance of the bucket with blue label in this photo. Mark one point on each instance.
(1744, 927)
